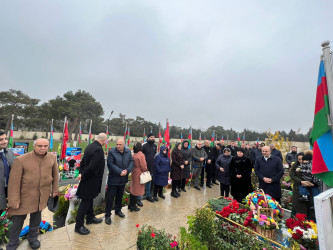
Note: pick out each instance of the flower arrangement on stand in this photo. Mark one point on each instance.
(302, 233)
(70, 195)
(151, 238)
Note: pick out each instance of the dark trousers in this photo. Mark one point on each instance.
(183, 183)
(224, 189)
(214, 174)
(209, 169)
(85, 209)
(175, 184)
(202, 176)
(158, 190)
(114, 192)
(15, 230)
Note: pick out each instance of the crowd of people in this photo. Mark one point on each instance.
(29, 180)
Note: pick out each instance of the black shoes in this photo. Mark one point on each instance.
(94, 221)
(149, 199)
(108, 220)
(178, 190)
(174, 194)
(139, 203)
(183, 189)
(209, 186)
(34, 244)
(134, 209)
(177, 193)
(81, 230)
(201, 185)
(120, 214)
(215, 183)
(155, 198)
(161, 195)
(197, 188)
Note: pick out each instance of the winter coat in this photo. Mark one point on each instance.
(210, 156)
(139, 167)
(186, 153)
(92, 169)
(176, 162)
(162, 168)
(217, 152)
(291, 157)
(256, 153)
(10, 159)
(31, 182)
(117, 162)
(241, 187)
(196, 155)
(272, 168)
(277, 153)
(224, 162)
(297, 205)
(149, 150)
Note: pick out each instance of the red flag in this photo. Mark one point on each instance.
(64, 142)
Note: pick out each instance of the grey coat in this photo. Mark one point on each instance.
(196, 155)
(10, 158)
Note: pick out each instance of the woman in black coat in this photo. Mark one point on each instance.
(177, 167)
(241, 169)
(186, 153)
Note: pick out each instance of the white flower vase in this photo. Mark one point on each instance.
(70, 209)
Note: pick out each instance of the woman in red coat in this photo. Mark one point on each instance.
(139, 167)
(177, 167)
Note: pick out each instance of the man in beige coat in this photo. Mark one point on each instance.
(33, 178)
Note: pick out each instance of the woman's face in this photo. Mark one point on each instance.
(186, 145)
(240, 154)
(165, 151)
(179, 147)
(226, 153)
(300, 157)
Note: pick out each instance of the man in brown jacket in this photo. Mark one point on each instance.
(33, 178)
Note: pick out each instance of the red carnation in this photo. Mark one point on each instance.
(299, 232)
(300, 217)
(137, 225)
(152, 235)
(296, 236)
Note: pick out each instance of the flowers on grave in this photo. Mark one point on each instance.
(265, 222)
(257, 200)
(302, 233)
(5, 225)
(70, 193)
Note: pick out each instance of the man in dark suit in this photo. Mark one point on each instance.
(91, 175)
(269, 171)
(233, 148)
(275, 151)
(6, 161)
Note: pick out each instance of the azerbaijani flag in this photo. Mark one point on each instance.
(11, 136)
(166, 137)
(80, 135)
(64, 143)
(190, 138)
(257, 141)
(51, 137)
(222, 139)
(212, 140)
(144, 135)
(321, 135)
(128, 135)
(200, 137)
(181, 136)
(159, 139)
(243, 138)
(107, 141)
(238, 139)
(125, 134)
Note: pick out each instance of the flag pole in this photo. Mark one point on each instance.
(329, 78)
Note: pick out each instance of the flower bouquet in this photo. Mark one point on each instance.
(302, 233)
(5, 224)
(70, 193)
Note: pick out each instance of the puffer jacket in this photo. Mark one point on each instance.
(224, 162)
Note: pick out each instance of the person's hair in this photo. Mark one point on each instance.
(137, 147)
(2, 132)
(293, 147)
(297, 163)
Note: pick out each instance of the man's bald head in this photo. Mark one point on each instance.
(41, 146)
(266, 151)
(120, 145)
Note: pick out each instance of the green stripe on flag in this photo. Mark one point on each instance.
(320, 126)
(326, 177)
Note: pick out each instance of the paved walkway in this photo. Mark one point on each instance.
(168, 214)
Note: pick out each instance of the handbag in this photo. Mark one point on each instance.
(145, 177)
(53, 203)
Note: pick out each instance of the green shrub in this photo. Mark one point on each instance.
(151, 238)
(189, 241)
(63, 207)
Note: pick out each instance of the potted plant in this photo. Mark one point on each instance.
(59, 217)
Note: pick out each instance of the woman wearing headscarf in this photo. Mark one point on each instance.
(241, 169)
(161, 172)
(177, 166)
(223, 171)
(186, 153)
(139, 167)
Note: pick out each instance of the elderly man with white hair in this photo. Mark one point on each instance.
(269, 170)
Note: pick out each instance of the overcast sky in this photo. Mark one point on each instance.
(238, 64)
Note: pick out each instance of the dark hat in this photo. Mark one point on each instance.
(226, 149)
(307, 158)
(241, 150)
(150, 134)
(53, 203)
